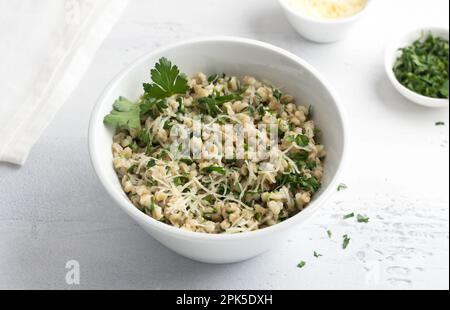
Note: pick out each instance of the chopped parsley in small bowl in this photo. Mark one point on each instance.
(417, 65)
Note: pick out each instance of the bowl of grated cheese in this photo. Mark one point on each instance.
(237, 57)
(324, 21)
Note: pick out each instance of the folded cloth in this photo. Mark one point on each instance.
(47, 46)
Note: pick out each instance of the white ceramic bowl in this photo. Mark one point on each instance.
(238, 57)
(321, 30)
(391, 55)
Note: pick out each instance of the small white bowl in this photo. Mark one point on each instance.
(239, 57)
(321, 30)
(393, 52)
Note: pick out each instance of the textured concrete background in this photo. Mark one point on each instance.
(54, 209)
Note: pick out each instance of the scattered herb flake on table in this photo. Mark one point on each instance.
(423, 66)
(342, 187)
(345, 241)
(362, 218)
(440, 124)
(301, 264)
(317, 255)
(329, 233)
(348, 216)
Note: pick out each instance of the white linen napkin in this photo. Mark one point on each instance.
(47, 46)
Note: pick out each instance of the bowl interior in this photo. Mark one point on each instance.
(234, 57)
(393, 52)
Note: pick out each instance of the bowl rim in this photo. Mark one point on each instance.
(325, 21)
(392, 49)
(132, 211)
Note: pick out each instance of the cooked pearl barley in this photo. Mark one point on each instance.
(249, 193)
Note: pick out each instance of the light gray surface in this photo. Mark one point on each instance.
(54, 209)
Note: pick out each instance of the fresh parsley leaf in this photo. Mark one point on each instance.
(125, 114)
(362, 219)
(167, 81)
(317, 255)
(342, 187)
(217, 169)
(348, 216)
(301, 264)
(345, 241)
(329, 233)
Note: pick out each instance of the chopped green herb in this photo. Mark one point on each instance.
(132, 169)
(209, 106)
(229, 161)
(167, 81)
(181, 106)
(181, 180)
(311, 184)
(151, 163)
(151, 183)
(167, 125)
(187, 161)
(258, 216)
(440, 124)
(151, 207)
(444, 88)
(345, 241)
(134, 146)
(152, 106)
(213, 78)
(317, 255)
(301, 264)
(262, 110)
(277, 94)
(297, 181)
(423, 66)
(342, 187)
(329, 233)
(300, 140)
(143, 138)
(362, 219)
(346, 217)
(238, 188)
(212, 169)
